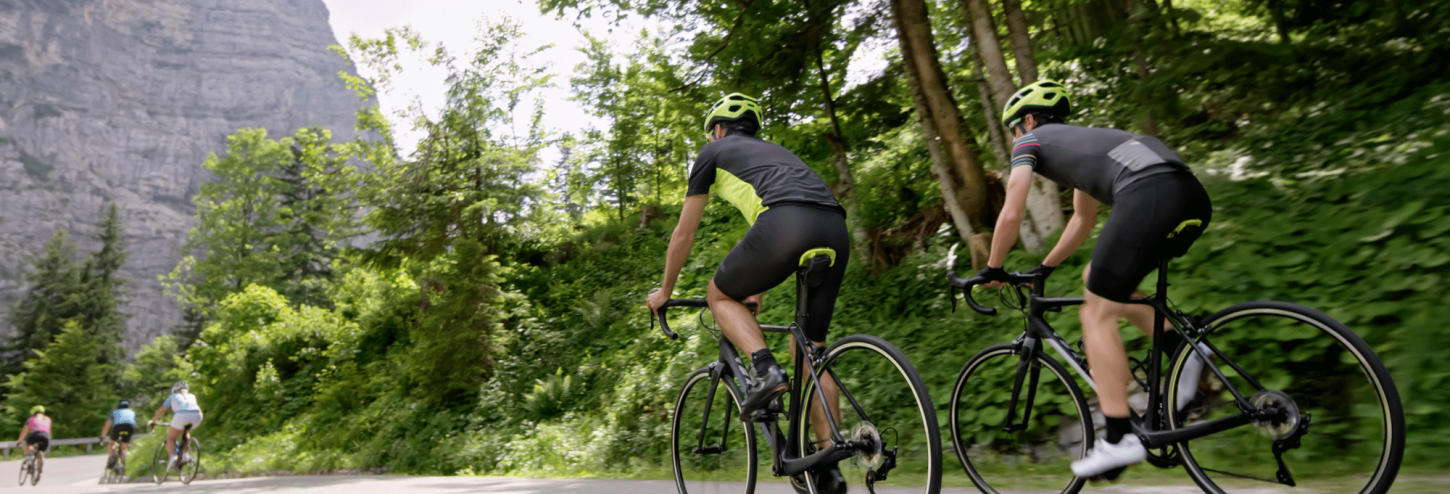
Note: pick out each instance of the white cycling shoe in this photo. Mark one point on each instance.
(1106, 456)
(1192, 372)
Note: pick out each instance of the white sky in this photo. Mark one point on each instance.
(455, 22)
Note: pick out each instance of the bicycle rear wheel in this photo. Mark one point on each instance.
(710, 448)
(882, 401)
(192, 456)
(1321, 376)
(1036, 457)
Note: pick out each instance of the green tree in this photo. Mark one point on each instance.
(48, 303)
(273, 215)
(464, 201)
(146, 380)
(70, 378)
(101, 292)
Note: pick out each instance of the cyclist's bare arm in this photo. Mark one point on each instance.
(1009, 221)
(24, 431)
(160, 412)
(680, 244)
(106, 428)
(1084, 218)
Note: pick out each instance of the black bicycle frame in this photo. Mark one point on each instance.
(730, 369)
(1029, 345)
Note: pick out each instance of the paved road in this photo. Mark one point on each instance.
(79, 474)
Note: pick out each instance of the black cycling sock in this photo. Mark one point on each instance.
(1169, 341)
(1117, 428)
(762, 360)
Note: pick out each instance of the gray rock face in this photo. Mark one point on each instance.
(122, 100)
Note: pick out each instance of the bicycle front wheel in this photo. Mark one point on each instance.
(1050, 426)
(160, 463)
(710, 448)
(24, 472)
(1338, 416)
(191, 461)
(882, 402)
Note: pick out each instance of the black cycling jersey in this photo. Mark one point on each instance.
(754, 174)
(1100, 162)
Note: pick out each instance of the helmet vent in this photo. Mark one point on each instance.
(1051, 95)
(734, 108)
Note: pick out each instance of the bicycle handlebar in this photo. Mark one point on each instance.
(966, 285)
(682, 302)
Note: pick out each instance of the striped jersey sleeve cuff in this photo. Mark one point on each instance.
(1025, 160)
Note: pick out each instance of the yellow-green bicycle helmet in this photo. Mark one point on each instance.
(37, 409)
(732, 107)
(1039, 97)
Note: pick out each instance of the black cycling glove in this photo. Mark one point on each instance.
(1041, 271)
(993, 274)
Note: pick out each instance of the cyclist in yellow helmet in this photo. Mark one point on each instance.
(1153, 195)
(36, 434)
(790, 210)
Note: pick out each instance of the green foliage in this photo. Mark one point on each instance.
(69, 378)
(273, 214)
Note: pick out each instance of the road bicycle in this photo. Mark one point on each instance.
(27, 468)
(1284, 385)
(115, 470)
(186, 461)
(887, 437)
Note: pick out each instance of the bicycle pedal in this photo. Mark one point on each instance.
(1108, 476)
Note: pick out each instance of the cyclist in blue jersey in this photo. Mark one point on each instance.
(791, 211)
(185, 412)
(1158, 209)
(120, 425)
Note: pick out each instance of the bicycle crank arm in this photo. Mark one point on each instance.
(1284, 445)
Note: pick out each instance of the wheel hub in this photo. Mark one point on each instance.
(1278, 425)
(866, 433)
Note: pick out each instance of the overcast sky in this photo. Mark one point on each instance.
(454, 23)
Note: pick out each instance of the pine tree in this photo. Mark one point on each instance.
(69, 378)
(101, 291)
(41, 314)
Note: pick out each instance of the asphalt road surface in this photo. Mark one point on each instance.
(79, 474)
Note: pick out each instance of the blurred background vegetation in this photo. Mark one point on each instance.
(467, 307)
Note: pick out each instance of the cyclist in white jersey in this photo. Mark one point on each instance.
(185, 412)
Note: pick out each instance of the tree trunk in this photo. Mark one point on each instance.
(1138, 19)
(1044, 209)
(1021, 41)
(954, 154)
(845, 181)
(984, 36)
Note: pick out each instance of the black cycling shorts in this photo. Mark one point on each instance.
(771, 252)
(121, 433)
(41, 440)
(1136, 238)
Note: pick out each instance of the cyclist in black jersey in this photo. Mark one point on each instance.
(1159, 209)
(790, 210)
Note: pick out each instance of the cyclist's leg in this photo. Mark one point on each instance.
(736, 321)
(171, 434)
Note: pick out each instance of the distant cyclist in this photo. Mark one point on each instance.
(1159, 209)
(185, 412)
(120, 425)
(36, 434)
(790, 211)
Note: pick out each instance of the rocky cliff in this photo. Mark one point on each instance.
(122, 100)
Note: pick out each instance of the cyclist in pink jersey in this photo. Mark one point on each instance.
(36, 433)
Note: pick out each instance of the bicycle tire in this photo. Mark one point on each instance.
(930, 433)
(685, 430)
(160, 462)
(193, 456)
(1307, 392)
(24, 471)
(1003, 358)
(35, 470)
